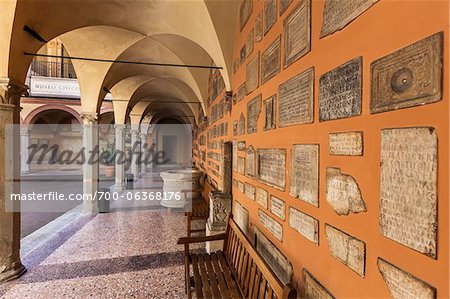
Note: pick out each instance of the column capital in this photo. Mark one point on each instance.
(24, 131)
(89, 118)
(11, 91)
(119, 127)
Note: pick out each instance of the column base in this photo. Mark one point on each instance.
(119, 187)
(90, 206)
(12, 273)
(213, 246)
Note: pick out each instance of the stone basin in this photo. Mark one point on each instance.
(177, 181)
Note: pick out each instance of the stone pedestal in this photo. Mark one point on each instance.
(177, 182)
(90, 168)
(10, 264)
(219, 211)
(120, 148)
(213, 246)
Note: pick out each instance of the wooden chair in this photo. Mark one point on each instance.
(200, 208)
(237, 271)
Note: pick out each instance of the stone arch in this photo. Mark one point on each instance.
(32, 115)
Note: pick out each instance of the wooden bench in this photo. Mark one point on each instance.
(200, 208)
(237, 271)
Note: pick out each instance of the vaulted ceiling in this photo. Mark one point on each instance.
(197, 32)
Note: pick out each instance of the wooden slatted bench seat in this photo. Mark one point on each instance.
(237, 271)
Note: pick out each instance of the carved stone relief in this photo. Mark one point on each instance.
(409, 77)
(250, 159)
(337, 14)
(304, 224)
(277, 261)
(296, 100)
(270, 61)
(343, 193)
(269, 113)
(253, 111)
(340, 91)
(304, 183)
(252, 74)
(297, 33)
(278, 207)
(270, 14)
(346, 143)
(275, 228)
(409, 187)
(271, 167)
(347, 249)
(262, 197)
(403, 285)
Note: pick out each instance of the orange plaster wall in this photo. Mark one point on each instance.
(387, 26)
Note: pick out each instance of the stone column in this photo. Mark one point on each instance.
(10, 265)
(90, 167)
(144, 152)
(135, 151)
(24, 152)
(120, 148)
(219, 211)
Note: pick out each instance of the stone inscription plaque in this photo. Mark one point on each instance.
(270, 14)
(235, 65)
(284, 4)
(337, 14)
(296, 100)
(408, 192)
(241, 165)
(304, 224)
(297, 33)
(271, 225)
(235, 155)
(270, 61)
(408, 77)
(343, 193)
(250, 42)
(277, 261)
(258, 28)
(245, 12)
(250, 191)
(271, 167)
(346, 249)
(305, 173)
(278, 207)
(241, 146)
(242, 91)
(252, 74)
(240, 216)
(403, 285)
(241, 186)
(253, 111)
(262, 197)
(242, 54)
(241, 125)
(250, 160)
(313, 289)
(346, 143)
(340, 91)
(269, 113)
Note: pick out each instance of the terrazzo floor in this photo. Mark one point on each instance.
(128, 253)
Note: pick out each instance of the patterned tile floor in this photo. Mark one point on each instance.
(128, 253)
